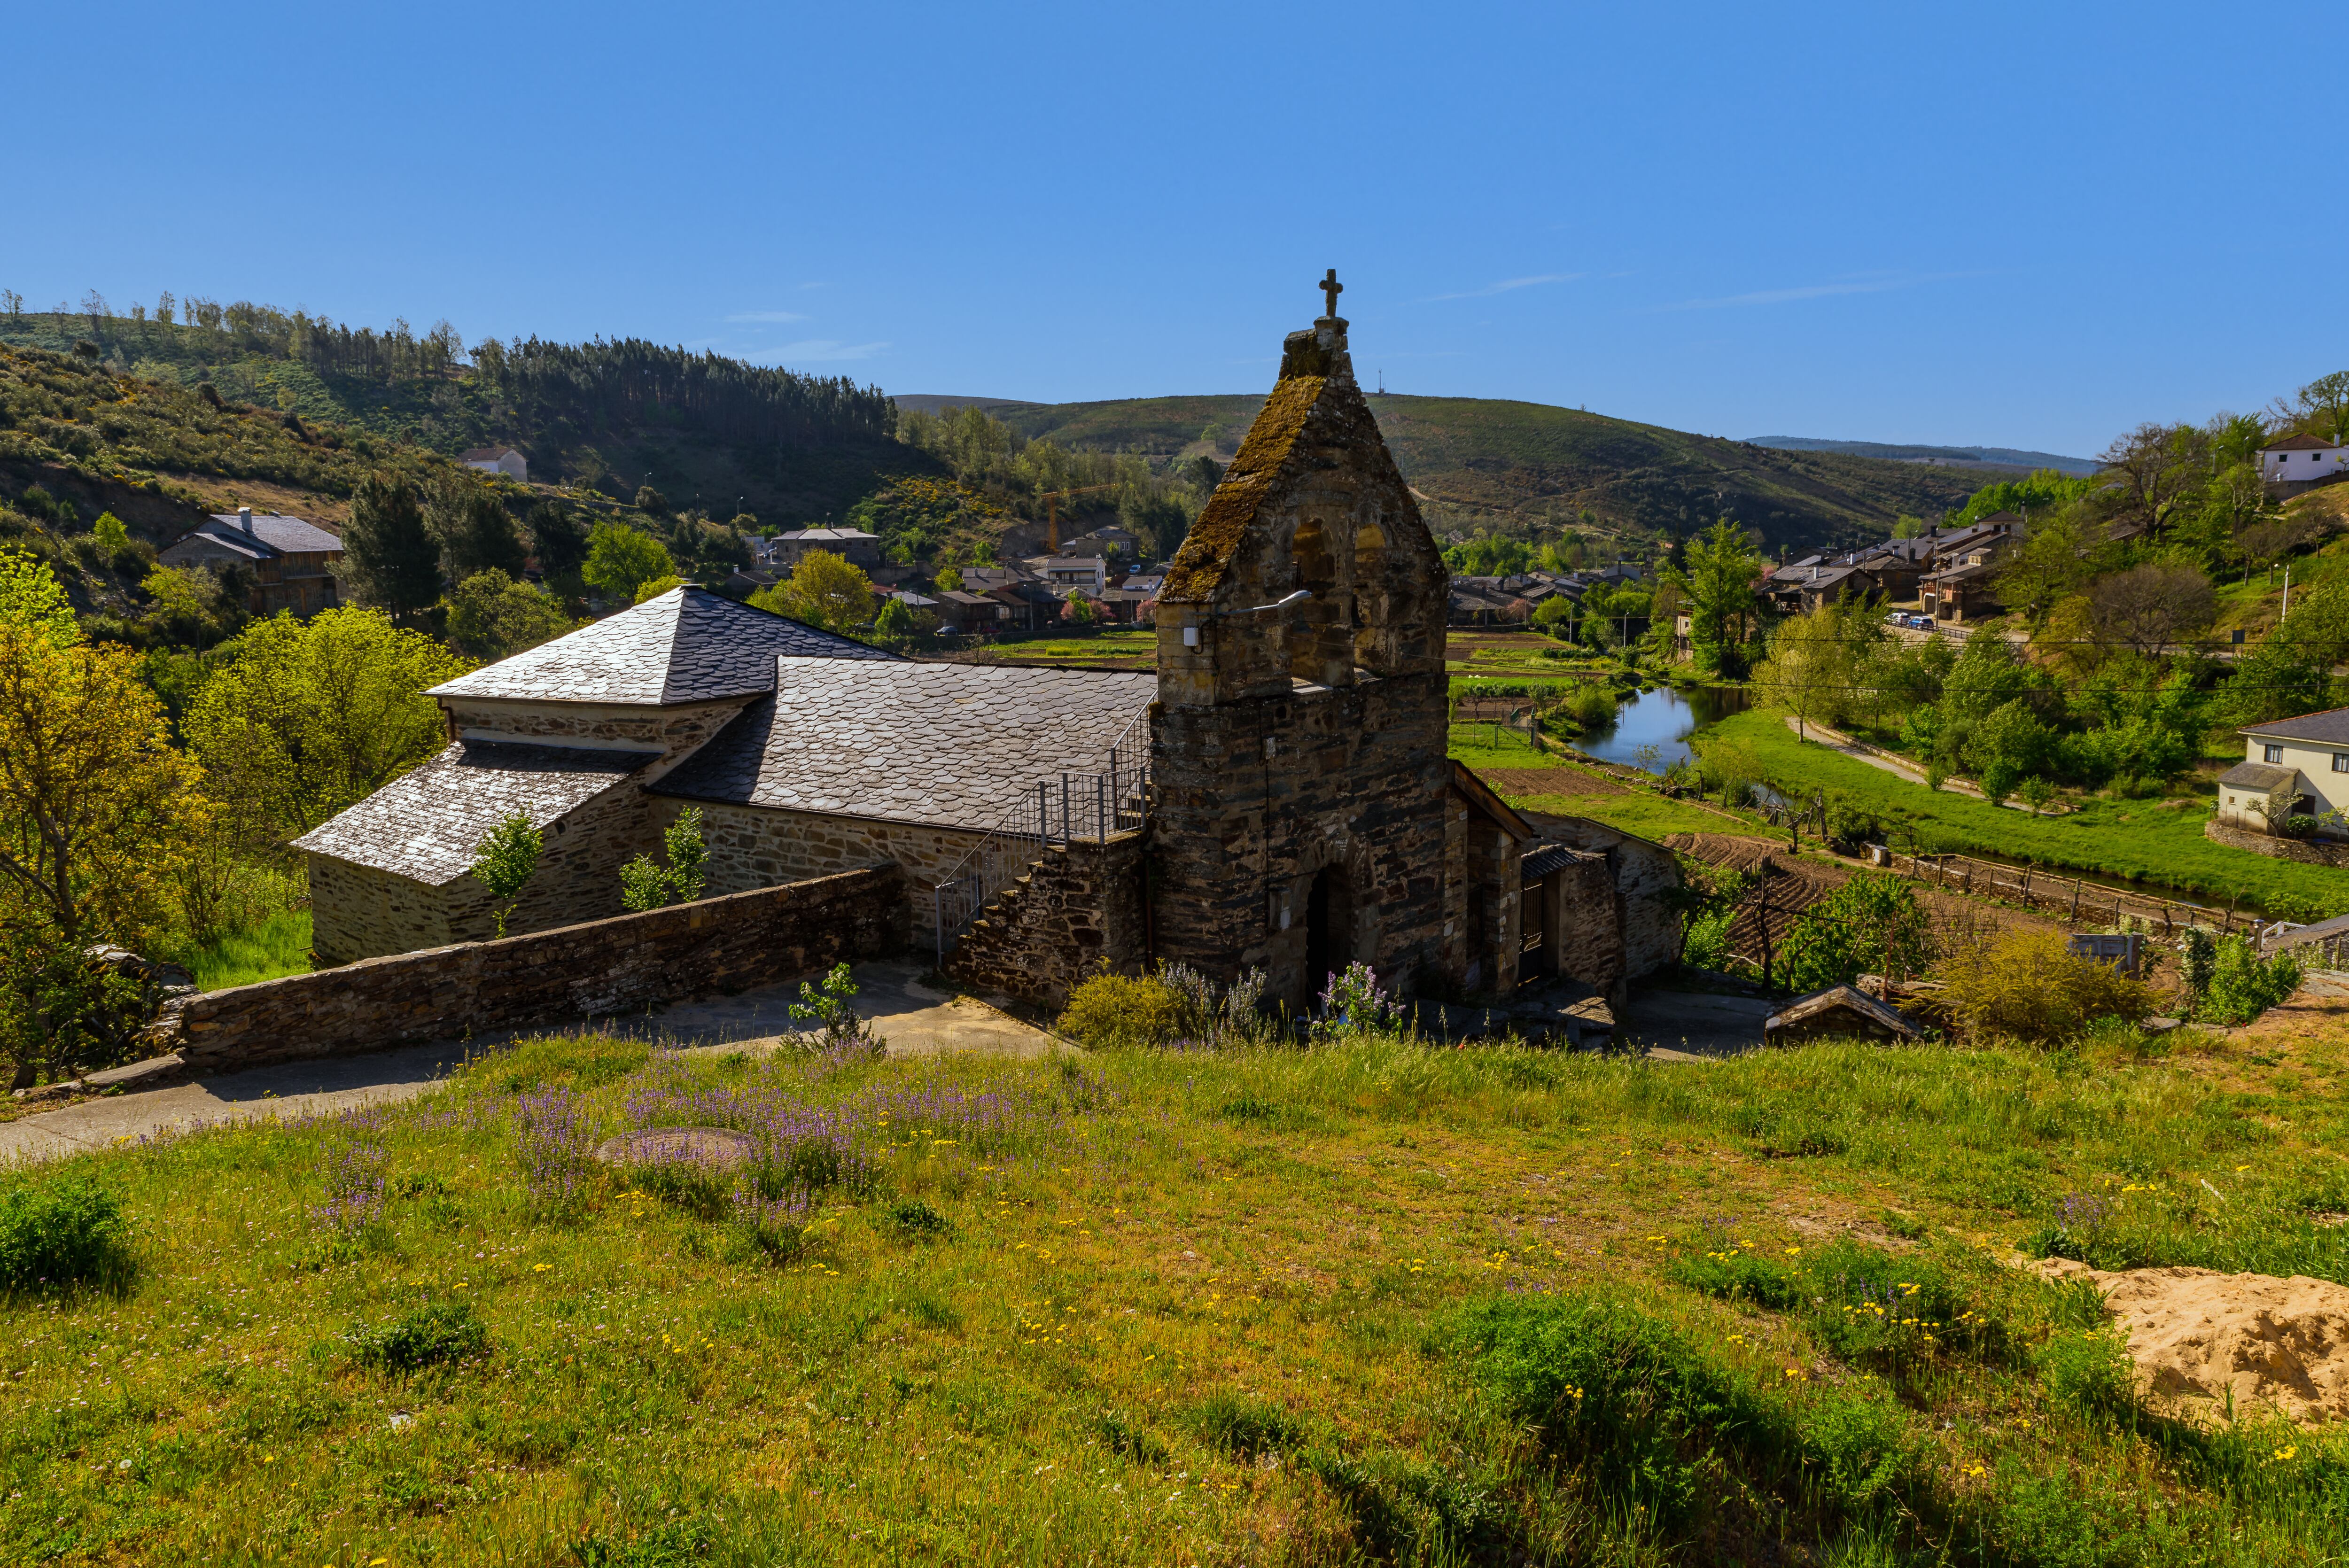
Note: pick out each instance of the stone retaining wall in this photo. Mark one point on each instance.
(1081, 904)
(2306, 852)
(551, 979)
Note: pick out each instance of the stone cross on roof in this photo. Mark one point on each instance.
(1331, 287)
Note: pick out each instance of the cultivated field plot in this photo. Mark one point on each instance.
(1369, 1299)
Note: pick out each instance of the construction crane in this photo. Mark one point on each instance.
(1051, 499)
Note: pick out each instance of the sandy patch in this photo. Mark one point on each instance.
(2198, 1335)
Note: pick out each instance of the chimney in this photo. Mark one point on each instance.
(244, 518)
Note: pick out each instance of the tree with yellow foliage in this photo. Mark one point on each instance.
(825, 590)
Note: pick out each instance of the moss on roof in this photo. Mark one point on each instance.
(1208, 550)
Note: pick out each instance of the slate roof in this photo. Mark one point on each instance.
(688, 645)
(1539, 862)
(2300, 444)
(2259, 775)
(273, 534)
(1867, 1015)
(2330, 728)
(950, 746)
(426, 825)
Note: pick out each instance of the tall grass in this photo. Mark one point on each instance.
(278, 945)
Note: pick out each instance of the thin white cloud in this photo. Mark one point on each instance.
(818, 348)
(767, 315)
(1868, 283)
(1506, 284)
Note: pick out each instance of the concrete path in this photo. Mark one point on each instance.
(1836, 740)
(915, 1021)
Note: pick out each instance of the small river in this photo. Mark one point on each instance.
(1652, 731)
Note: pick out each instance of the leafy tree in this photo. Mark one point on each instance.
(491, 616)
(194, 606)
(651, 502)
(1489, 558)
(2050, 566)
(2291, 670)
(113, 539)
(824, 590)
(2154, 469)
(476, 533)
(1553, 613)
(1873, 924)
(894, 622)
(505, 859)
(644, 884)
(94, 802)
(390, 557)
(32, 600)
(658, 586)
(621, 559)
(1907, 527)
(1810, 669)
(1987, 675)
(2009, 745)
(1723, 606)
(303, 718)
(2321, 408)
(2041, 491)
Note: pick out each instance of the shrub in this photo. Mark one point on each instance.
(1124, 1010)
(58, 1231)
(2028, 986)
(1872, 924)
(914, 1219)
(1705, 944)
(2243, 985)
(423, 1337)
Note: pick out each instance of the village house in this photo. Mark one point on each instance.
(1275, 796)
(290, 562)
(850, 545)
(504, 460)
(2301, 461)
(1090, 572)
(2291, 766)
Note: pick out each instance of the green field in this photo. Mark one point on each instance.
(2153, 842)
(1485, 746)
(1363, 1302)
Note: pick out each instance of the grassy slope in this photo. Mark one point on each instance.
(279, 945)
(1525, 462)
(1192, 1250)
(1637, 812)
(447, 416)
(2140, 839)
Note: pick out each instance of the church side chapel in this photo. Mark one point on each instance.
(1277, 796)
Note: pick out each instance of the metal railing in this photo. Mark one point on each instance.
(1073, 808)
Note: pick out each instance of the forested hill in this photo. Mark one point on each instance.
(701, 428)
(1506, 465)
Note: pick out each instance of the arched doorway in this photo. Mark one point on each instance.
(1329, 929)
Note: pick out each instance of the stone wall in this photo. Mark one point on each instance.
(358, 912)
(1254, 799)
(754, 846)
(549, 979)
(1644, 875)
(1081, 904)
(1585, 924)
(2307, 852)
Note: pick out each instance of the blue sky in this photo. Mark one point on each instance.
(2030, 226)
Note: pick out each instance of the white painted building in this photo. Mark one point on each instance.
(2300, 460)
(2290, 765)
(503, 460)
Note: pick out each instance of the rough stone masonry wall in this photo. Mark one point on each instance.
(358, 912)
(1252, 799)
(1081, 905)
(548, 979)
(2306, 852)
(753, 846)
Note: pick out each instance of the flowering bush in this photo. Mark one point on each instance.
(556, 1147)
(352, 1173)
(1352, 1004)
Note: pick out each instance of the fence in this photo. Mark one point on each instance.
(2075, 898)
(1054, 812)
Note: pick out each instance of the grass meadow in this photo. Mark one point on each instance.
(279, 945)
(2152, 841)
(1366, 1301)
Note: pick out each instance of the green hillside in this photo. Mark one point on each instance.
(1506, 465)
(413, 391)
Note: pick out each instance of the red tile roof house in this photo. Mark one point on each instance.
(291, 561)
(807, 753)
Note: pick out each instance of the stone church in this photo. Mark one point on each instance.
(1276, 795)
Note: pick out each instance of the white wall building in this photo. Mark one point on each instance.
(2300, 460)
(2290, 765)
(499, 460)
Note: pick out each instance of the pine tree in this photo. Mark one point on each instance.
(388, 554)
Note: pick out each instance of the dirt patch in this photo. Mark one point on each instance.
(1549, 781)
(2199, 1336)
